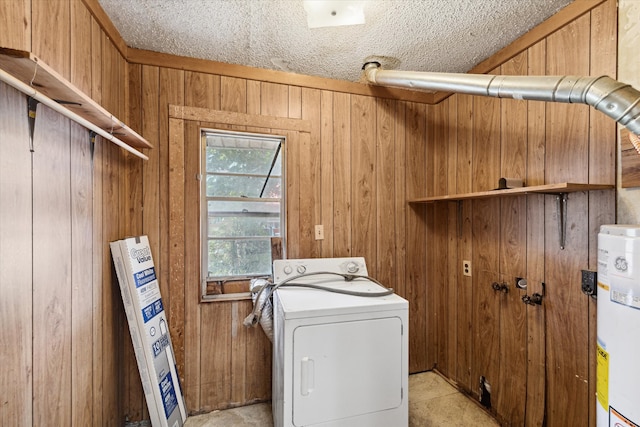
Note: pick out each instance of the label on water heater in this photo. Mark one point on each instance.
(625, 297)
(603, 265)
(616, 419)
(602, 375)
(624, 287)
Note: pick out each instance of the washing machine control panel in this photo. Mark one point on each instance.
(287, 268)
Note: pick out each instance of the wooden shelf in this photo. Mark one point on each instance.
(560, 190)
(27, 68)
(565, 187)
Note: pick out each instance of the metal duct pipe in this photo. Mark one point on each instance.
(617, 100)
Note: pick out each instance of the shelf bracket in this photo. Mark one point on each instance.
(92, 142)
(32, 106)
(561, 198)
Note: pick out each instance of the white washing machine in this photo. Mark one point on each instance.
(339, 360)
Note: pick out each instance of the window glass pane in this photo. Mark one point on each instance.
(243, 227)
(239, 207)
(233, 186)
(242, 186)
(277, 166)
(244, 161)
(243, 219)
(239, 257)
(273, 190)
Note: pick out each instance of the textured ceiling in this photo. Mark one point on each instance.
(416, 35)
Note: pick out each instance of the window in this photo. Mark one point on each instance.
(243, 209)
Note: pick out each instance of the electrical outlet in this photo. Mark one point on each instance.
(466, 268)
(319, 232)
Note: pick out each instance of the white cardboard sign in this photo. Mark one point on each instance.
(149, 331)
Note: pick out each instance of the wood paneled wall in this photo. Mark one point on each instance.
(65, 348)
(348, 174)
(363, 159)
(538, 359)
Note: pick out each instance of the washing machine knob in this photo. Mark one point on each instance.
(301, 269)
(287, 269)
(352, 267)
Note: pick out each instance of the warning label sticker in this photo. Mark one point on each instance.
(603, 286)
(625, 297)
(616, 419)
(602, 377)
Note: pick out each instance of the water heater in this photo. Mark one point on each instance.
(618, 346)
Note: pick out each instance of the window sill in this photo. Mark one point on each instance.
(244, 296)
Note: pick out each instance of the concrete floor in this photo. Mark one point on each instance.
(432, 402)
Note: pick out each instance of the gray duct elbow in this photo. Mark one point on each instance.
(617, 100)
